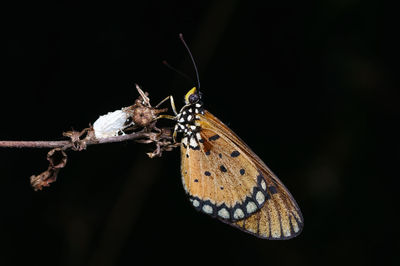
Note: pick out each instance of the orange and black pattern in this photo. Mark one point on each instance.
(226, 180)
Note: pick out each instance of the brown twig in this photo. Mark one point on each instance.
(140, 122)
(33, 144)
(67, 143)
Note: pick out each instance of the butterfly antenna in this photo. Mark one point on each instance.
(191, 56)
(177, 71)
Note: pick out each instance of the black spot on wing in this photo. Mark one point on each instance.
(267, 195)
(242, 171)
(272, 189)
(207, 173)
(215, 137)
(195, 148)
(222, 168)
(235, 154)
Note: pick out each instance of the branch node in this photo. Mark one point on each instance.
(79, 139)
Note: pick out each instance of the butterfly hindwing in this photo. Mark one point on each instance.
(279, 218)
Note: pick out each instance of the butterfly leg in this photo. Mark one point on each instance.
(171, 117)
(171, 99)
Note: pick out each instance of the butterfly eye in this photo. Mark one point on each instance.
(194, 98)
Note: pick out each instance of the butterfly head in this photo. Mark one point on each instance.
(189, 114)
(193, 96)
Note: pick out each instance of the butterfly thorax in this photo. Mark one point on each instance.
(187, 123)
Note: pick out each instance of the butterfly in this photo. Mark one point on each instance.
(225, 179)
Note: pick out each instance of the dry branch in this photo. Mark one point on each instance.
(140, 126)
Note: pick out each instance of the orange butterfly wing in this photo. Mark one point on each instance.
(225, 179)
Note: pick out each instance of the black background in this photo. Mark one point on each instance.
(311, 87)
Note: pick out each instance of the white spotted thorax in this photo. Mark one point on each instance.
(187, 124)
(111, 124)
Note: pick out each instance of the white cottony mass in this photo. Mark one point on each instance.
(111, 124)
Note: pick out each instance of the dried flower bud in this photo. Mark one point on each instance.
(143, 116)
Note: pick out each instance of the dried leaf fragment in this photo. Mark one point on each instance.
(57, 159)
